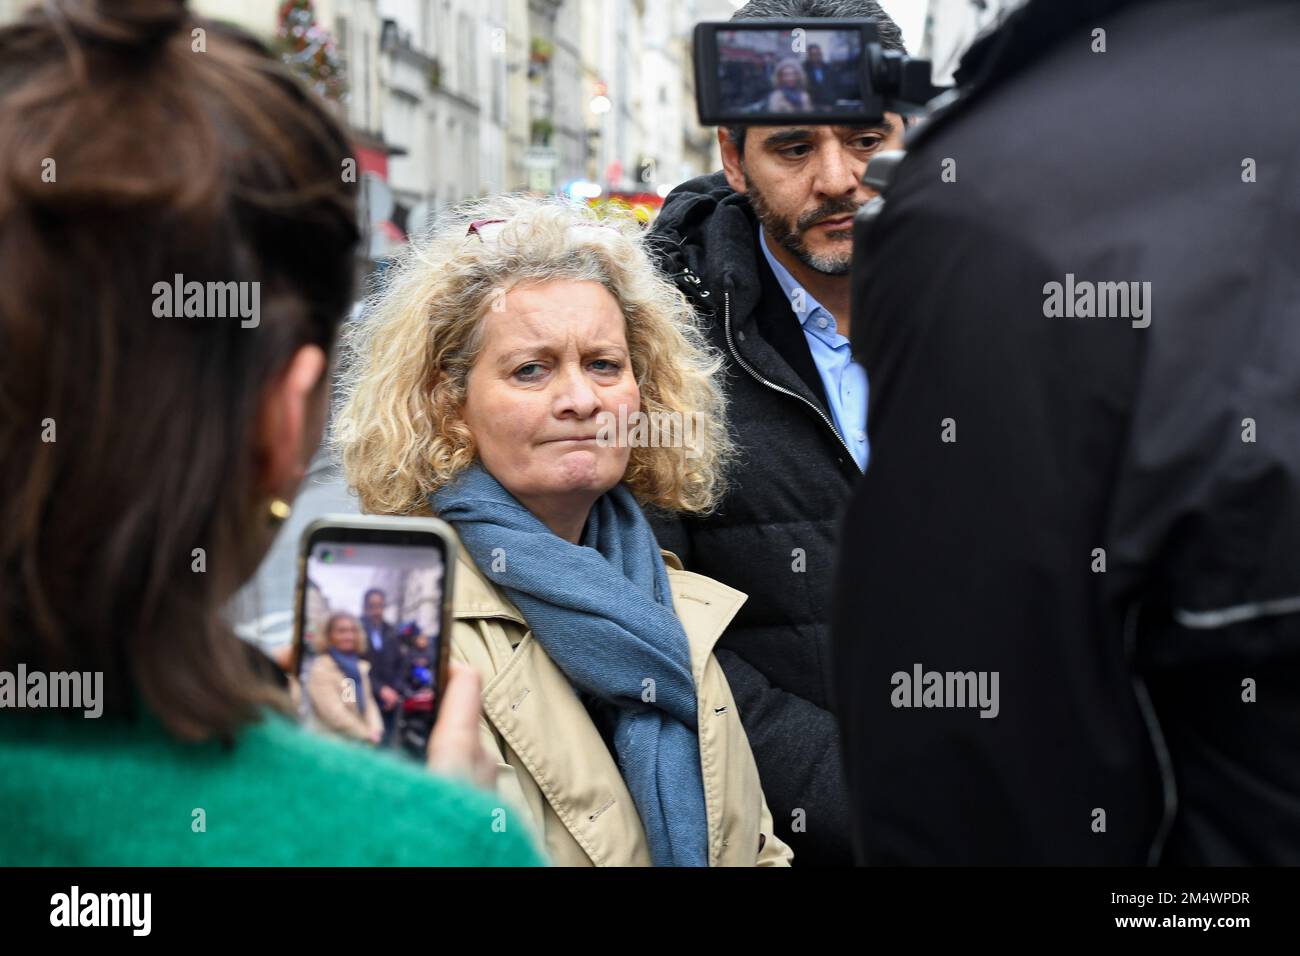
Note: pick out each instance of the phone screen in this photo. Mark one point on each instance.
(371, 644)
(789, 71)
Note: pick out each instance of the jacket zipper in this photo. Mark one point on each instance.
(726, 320)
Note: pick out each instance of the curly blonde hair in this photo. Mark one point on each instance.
(398, 424)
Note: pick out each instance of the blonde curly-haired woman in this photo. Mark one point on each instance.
(529, 377)
(338, 684)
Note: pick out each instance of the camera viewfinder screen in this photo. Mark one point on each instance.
(789, 71)
(372, 620)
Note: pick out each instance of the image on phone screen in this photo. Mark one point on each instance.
(370, 647)
(775, 71)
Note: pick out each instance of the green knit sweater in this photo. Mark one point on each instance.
(77, 792)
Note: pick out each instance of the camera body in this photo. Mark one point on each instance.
(817, 72)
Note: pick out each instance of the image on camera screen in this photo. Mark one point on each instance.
(789, 71)
(372, 621)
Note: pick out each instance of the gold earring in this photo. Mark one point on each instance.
(280, 511)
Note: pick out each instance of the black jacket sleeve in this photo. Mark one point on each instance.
(386, 666)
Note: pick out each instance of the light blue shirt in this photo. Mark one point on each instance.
(845, 380)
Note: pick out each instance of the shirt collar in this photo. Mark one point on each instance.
(789, 284)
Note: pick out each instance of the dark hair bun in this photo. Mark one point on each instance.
(128, 24)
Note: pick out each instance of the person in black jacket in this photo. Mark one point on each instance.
(763, 250)
(384, 652)
(822, 86)
(1084, 353)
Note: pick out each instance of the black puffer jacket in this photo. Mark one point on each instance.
(773, 536)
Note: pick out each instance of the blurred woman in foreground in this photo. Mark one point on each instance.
(148, 450)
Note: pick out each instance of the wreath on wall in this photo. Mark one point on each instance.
(309, 49)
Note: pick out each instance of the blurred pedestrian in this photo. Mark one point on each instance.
(383, 650)
(790, 89)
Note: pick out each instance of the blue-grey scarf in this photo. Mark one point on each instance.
(603, 613)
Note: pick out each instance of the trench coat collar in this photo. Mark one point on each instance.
(704, 606)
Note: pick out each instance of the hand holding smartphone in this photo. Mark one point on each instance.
(372, 628)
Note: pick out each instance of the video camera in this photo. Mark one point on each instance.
(823, 72)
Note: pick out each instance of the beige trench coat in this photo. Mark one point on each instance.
(333, 704)
(552, 762)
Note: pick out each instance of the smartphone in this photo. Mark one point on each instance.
(372, 628)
